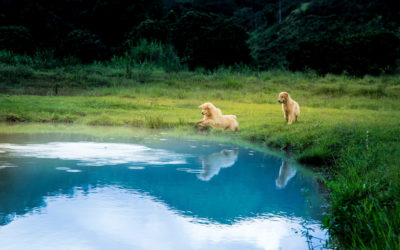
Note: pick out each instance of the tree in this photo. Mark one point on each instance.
(358, 54)
(209, 40)
(17, 39)
(84, 45)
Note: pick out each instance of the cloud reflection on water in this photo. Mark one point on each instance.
(135, 221)
(139, 206)
(97, 154)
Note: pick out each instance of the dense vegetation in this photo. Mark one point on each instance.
(329, 36)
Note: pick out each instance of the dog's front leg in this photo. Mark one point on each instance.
(205, 122)
(208, 122)
(286, 115)
(290, 118)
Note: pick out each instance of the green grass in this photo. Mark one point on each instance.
(349, 128)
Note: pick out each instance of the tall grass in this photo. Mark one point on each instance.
(44, 59)
(12, 74)
(147, 55)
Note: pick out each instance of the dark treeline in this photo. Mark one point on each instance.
(354, 36)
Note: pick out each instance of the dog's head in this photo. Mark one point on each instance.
(283, 97)
(206, 108)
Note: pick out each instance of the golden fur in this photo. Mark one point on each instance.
(214, 117)
(290, 108)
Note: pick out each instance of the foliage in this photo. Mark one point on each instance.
(315, 28)
(16, 38)
(12, 74)
(113, 19)
(365, 213)
(210, 34)
(83, 45)
(154, 53)
(39, 60)
(359, 54)
(151, 30)
(225, 41)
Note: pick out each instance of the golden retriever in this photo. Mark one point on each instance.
(290, 108)
(214, 117)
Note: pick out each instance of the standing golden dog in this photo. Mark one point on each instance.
(214, 117)
(290, 108)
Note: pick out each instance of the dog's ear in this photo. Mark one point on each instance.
(211, 106)
(206, 106)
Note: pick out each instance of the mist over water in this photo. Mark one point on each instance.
(155, 192)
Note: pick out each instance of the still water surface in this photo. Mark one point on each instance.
(154, 192)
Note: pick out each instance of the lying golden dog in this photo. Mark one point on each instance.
(290, 108)
(214, 117)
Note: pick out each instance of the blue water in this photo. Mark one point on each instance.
(154, 192)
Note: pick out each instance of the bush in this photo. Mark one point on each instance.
(12, 73)
(39, 60)
(314, 21)
(154, 53)
(151, 30)
(209, 41)
(16, 38)
(83, 45)
(360, 54)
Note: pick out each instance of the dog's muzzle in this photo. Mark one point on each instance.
(202, 113)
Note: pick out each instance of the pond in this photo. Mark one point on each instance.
(68, 191)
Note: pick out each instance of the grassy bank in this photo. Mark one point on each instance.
(349, 127)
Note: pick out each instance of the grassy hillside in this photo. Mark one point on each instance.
(349, 127)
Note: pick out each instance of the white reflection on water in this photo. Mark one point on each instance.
(6, 165)
(212, 164)
(62, 168)
(286, 173)
(97, 154)
(74, 170)
(110, 218)
(136, 168)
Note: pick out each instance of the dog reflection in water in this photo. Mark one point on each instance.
(286, 172)
(212, 164)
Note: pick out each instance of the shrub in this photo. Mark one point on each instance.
(14, 73)
(83, 45)
(364, 53)
(155, 122)
(209, 41)
(16, 38)
(39, 60)
(154, 53)
(151, 30)
(14, 118)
